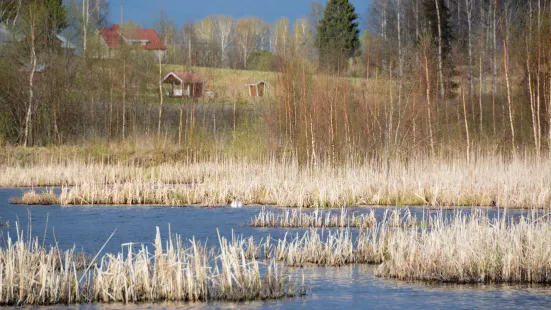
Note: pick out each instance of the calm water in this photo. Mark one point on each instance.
(88, 228)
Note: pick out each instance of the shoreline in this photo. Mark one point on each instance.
(17, 201)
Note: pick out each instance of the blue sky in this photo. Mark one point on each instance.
(145, 11)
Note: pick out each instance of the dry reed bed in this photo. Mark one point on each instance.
(472, 249)
(461, 249)
(33, 197)
(31, 274)
(486, 182)
(335, 247)
(298, 218)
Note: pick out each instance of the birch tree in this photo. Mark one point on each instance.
(505, 37)
(225, 33)
(279, 37)
(303, 38)
(246, 37)
(205, 30)
(32, 21)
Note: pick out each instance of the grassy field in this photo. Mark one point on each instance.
(228, 83)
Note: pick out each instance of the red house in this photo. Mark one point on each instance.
(146, 38)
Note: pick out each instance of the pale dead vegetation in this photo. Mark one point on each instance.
(486, 182)
(472, 249)
(31, 274)
(33, 197)
(461, 248)
(299, 218)
(337, 247)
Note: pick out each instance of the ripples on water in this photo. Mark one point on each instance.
(346, 287)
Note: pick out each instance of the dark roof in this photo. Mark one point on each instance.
(256, 83)
(186, 77)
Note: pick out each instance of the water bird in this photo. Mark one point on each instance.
(236, 203)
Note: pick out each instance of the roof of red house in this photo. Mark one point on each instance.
(186, 77)
(113, 37)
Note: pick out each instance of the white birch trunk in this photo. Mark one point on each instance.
(509, 103)
(468, 8)
(161, 97)
(30, 107)
(440, 56)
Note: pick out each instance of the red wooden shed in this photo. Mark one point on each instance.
(257, 89)
(186, 84)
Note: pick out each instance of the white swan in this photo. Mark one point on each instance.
(236, 203)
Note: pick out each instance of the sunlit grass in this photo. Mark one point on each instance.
(487, 182)
(174, 270)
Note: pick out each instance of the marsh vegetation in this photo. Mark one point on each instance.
(489, 182)
(172, 270)
(458, 247)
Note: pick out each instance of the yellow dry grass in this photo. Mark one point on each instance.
(486, 182)
(37, 198)
(461, 248)
(472, 249)
(31, 274)
(317, 219)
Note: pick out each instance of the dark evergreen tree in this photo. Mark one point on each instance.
(53, 17)
(338, 34)
(431, 17)
(56, 20)
(55, 10)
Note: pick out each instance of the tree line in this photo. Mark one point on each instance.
(483, 60)
(432, 77)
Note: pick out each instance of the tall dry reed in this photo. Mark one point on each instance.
(459, 248)
(299, 218)
(472, 249)
(334, 247)
(487, 182)
(31, 274)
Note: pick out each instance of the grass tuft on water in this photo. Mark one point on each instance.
(174, 270)
(33, 198)
(460, 248)
(327, 219)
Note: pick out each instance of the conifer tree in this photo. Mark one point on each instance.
(338, 34)
(431, 16)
